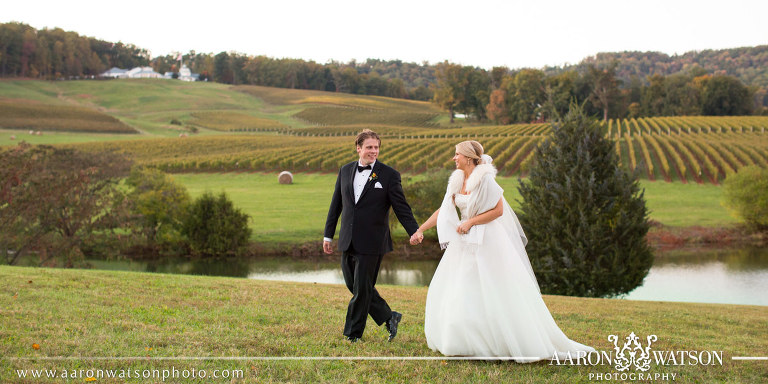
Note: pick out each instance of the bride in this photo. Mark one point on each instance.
(484, 300)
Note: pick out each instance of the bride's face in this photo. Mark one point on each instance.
(461, 161)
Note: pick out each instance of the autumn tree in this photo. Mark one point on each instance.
(59, 203)
(675, 95)
(54, 53)
(683, 97)
(396, 88)
(558, 94)
(421, 93)
(498, 110)
(725, 96)
(449, 88)
(222, 69)
(745, 194)
(476, 93)
(654, 95)
(497, 76)
(347, 80)
(605, 87)
(525, 94)
(159, 206)
(19, 229)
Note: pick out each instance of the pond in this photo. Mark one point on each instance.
(728, 276)
(731, 276)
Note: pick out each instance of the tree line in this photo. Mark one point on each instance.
(608, 85)
(532, 95)
(372, 77)
(748, 64)
(56, 54)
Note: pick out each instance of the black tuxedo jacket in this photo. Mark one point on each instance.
(366, 224)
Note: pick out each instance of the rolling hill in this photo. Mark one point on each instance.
(266, 129)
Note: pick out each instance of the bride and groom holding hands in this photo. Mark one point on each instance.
(483, 300)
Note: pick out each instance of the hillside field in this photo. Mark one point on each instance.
(250, 128)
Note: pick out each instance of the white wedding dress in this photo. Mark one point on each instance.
(484, 301)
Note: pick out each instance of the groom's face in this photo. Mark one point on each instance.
(369, 151)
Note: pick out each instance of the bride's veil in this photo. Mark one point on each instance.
(508, 220)
(514, 229)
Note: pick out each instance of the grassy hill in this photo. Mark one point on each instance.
(142, 321)
(150, 105)
(147, 105)
(273, 129)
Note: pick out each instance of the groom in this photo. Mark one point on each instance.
(365, 189)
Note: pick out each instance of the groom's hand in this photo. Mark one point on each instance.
(417, 238)
(327, 247)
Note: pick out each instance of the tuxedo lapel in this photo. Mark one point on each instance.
(350, 187)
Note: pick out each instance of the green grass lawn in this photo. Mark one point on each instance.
(296, 213)
(155, 318)
(686, 205)
(151, 320)
(673, 204)
(40, 91)
(279, 213)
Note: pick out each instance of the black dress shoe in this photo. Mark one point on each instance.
(392, 324)
(352, 339)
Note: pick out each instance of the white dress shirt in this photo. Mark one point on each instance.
(361, 178)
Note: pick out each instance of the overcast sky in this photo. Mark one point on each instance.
(483, 33)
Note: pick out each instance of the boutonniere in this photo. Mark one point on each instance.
(373, 177)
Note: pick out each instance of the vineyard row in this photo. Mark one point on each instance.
(683, 158)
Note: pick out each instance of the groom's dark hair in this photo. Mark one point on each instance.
(365, 135)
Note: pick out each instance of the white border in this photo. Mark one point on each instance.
(317, 358)
(427, 358)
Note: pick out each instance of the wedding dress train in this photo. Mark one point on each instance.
(484, 301)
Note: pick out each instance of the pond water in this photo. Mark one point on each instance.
(728, 276)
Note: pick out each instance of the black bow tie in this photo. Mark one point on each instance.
(360, 169)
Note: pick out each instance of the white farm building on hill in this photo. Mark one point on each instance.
(148, 73)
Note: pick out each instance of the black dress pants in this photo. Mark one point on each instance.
(360, 273)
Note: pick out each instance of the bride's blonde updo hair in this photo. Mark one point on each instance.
(471, 149)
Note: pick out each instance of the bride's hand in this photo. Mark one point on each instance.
(417, 237)
(463, 228)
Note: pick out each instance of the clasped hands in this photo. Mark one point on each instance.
(417, 237)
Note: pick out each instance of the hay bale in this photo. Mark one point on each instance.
(285, 178)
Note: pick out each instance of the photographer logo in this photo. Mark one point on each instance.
(633, 357)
